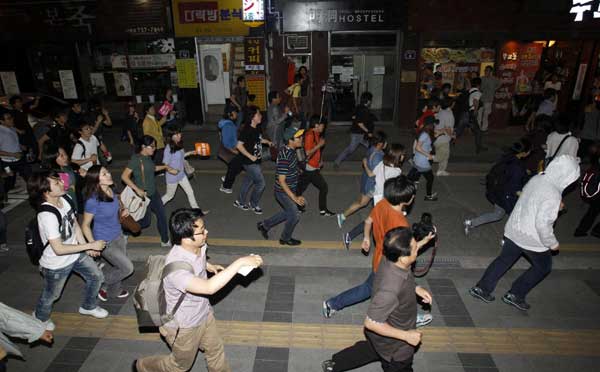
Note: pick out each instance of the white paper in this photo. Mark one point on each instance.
(67, 82)
(9, 82)
(379, 70)
(175, 98)
(138, 99)
(98, 82)
(122, 84)
(151, 98)
(118, 61)
(336, 69)
(245, 270)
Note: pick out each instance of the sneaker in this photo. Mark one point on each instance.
(326, 213)
(423, 319)
(222, 178)
(263, 230)
(102, 295)
(204, 211)
(3, 248)
(291, 241)
(468, 226)
(49, 324)
(432, 197)
(327, 310)
(257, 210)
(346, 240)
(239, 205)
(166, 244)
(340, 219)
(480, 294)
(513, 300)
(442, 173)
(124, 294)
(226, 191)
(98, 312)
(328, 365)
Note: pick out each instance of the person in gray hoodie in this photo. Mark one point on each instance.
(529, 232)
(15, 323)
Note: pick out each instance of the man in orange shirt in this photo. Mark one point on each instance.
(313, 143)
(399, 193)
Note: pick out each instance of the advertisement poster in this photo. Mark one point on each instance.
(187, 73)
(529, 57)
(122, 84)
(67, 82)
(98, 82)
(256, 87)
(9, 82)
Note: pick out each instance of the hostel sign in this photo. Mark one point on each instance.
(581, 7)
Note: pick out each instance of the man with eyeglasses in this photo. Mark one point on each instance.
(194, 326)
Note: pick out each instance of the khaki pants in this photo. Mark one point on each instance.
(442, 154)
(183, 352)
(484, 115)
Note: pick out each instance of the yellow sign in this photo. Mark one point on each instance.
(210, 18)
(256, 86)
(187, 76)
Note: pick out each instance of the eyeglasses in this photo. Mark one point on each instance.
(201, 232)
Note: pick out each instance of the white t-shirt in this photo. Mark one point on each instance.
(382, 174)
(49, 229)
(446, 118)
(474, 94)
(91, 147)
(556, 86)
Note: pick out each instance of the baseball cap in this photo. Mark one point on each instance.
(292, 132)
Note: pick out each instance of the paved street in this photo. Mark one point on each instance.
(271, 320)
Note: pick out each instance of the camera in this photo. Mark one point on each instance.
(422, 228)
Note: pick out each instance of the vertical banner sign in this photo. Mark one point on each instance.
(579, 82)
(253, 10)
(67, 82)
(9, 82)
(256, 87)
(187, 73)
(254, 53)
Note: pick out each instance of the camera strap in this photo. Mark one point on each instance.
(421, 272)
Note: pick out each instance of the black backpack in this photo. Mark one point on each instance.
(33, 241)
(495, 179)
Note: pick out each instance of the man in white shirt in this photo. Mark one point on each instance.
(561, 141)
(85, 151)
(489, 86)
(11, 152)
(444, 131)
(65, 249)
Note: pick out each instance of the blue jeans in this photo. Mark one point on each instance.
(289, 214)
(157, 207)
(357, 230)
(119, 265)
(54, 282)
(254, 177)
(354, 295)
(541, 265)
(356, 140)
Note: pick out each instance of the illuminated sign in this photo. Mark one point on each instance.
(254, 10)
(580, 7)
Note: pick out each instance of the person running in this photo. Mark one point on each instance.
(65, 249)
(511, 175)
(423, 157)
(102, 207)
(367, 180)
(174, 157)
(361, 130)
(139, 175)
(285, 189)
(193, 327)
(387, 215)
(529, 232)
(313, 145)
(250, 147)
(390, 324)
(85, 151)
(390, 167)
(153, 128)
(56, 158)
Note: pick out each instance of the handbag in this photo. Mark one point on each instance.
(128, 223)
(136, 205)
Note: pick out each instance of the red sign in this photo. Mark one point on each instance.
(204, 12)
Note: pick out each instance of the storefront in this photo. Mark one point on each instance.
(225, 47)
(351, 47)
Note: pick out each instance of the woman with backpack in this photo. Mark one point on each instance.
(590, 193)
(423, 157)
(504, 184)
(102, 206)
(174, 157)
(139, 175)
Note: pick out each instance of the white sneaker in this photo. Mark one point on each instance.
(165, 245)
(223, 179)
(226, 191)
(3, 248)
(98, 312)
(49, 324)
(442, 173)
(468, 226)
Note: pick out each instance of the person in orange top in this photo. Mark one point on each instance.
(313, 144)
(399, 193)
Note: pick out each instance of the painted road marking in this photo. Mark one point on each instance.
(531, 341)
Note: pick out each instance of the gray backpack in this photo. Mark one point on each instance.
(149, 297)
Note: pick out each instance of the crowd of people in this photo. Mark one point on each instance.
(80, 212)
